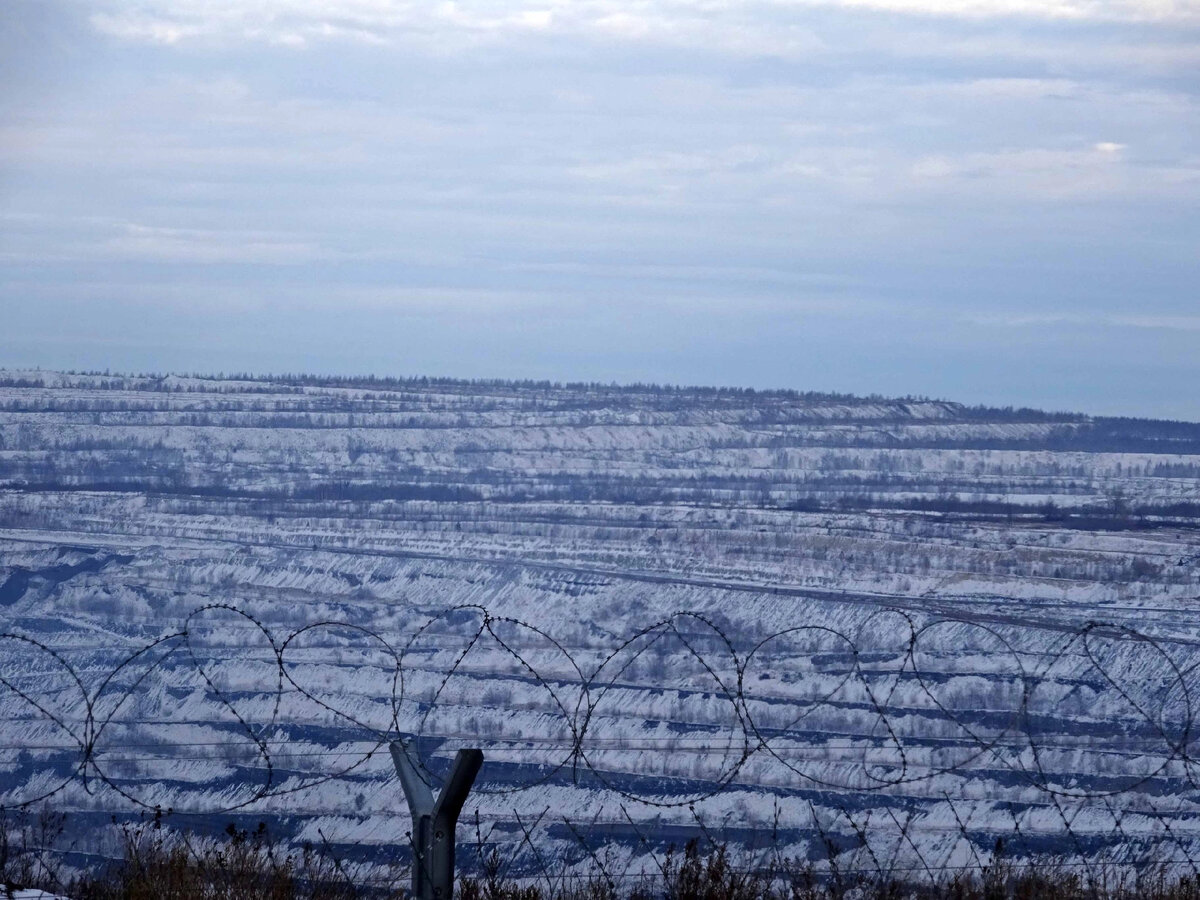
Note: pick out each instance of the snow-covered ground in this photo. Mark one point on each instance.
(778, 614)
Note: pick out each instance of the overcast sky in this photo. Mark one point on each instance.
(984, 200)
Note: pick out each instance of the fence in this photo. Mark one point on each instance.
(908, 748)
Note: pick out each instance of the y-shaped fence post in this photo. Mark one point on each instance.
(433, 820)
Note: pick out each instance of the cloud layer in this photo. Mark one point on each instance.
(992, 200)
(752, 27)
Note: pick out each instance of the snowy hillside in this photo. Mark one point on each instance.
(763, 610)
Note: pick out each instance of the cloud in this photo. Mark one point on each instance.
(757, 27)
(1029, 320)
(773, 184)
(1033, 172)
(194, 245)
(1070, 10)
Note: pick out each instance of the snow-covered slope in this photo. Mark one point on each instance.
(885, 608)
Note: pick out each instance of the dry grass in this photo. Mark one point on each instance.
(157, 862)
(249, 865)
(695, 874)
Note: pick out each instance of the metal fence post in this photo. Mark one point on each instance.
(434, 820)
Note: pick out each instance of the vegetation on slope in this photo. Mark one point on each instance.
(156, 862)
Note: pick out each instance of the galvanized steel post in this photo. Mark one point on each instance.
(434, 819)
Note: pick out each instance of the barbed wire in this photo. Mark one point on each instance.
(916, 701)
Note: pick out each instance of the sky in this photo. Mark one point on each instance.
(991, 201)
